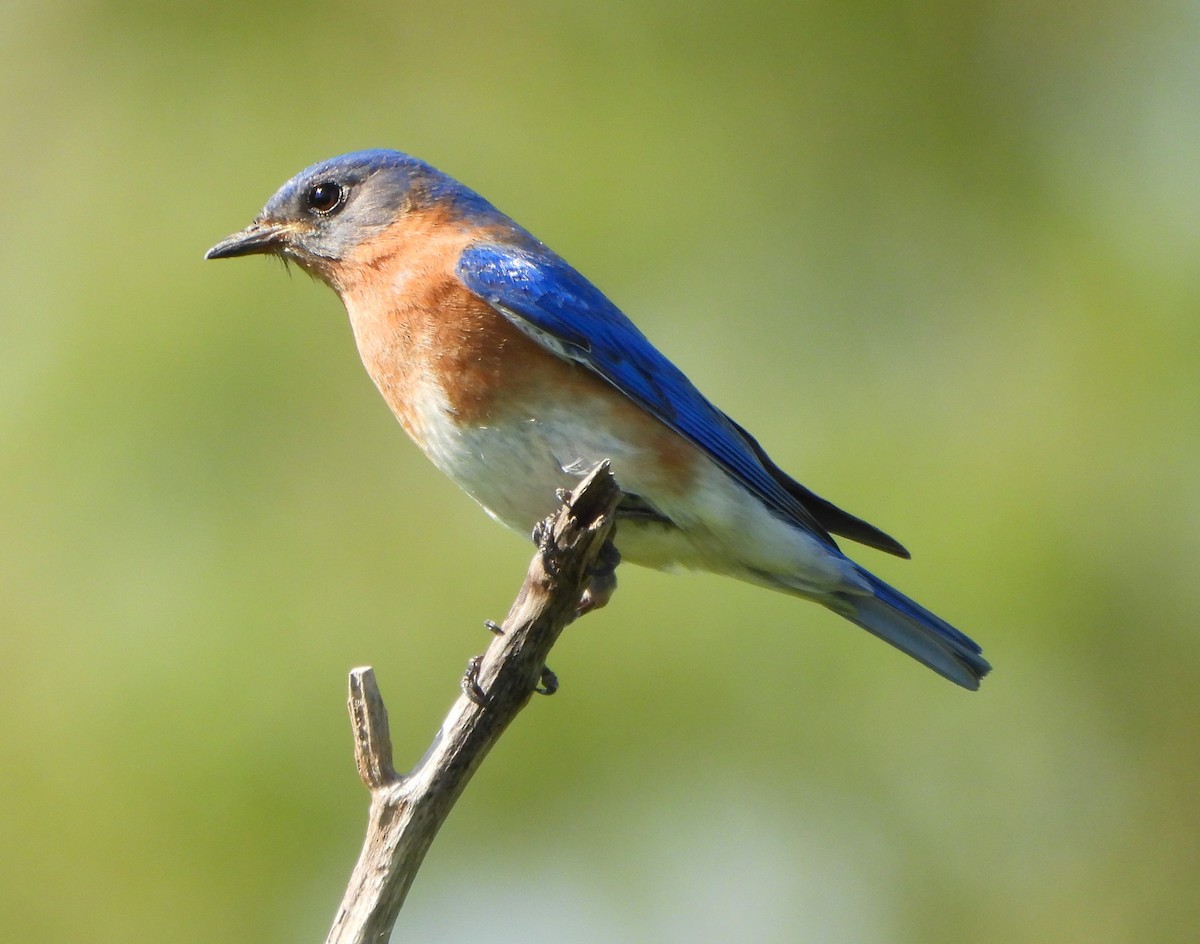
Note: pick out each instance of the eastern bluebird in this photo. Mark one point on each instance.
(514, 375)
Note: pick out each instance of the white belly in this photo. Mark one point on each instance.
(515, 469)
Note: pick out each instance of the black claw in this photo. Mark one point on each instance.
(549, 682)
(493, 627)
(470, 682)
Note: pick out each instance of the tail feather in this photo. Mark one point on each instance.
(911, 628)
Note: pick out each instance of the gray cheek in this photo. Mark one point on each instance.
(332, 243)
(359, 221)
(376, 208)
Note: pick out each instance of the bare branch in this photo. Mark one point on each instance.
(406, 812)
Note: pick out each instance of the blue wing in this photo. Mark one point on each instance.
(552, 303)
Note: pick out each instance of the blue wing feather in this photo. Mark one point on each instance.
(552, 303)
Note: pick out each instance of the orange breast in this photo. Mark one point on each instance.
(422, 334)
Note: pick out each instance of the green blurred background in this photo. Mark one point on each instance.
(943, 258)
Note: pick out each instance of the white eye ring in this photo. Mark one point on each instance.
(324, 197)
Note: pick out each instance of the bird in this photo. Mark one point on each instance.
(515, 376)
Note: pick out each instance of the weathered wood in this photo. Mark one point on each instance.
(407, 811)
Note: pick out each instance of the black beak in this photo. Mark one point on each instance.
(255, 238)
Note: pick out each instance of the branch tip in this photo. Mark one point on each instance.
(372, 736)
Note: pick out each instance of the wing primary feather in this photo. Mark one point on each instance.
(830, 516)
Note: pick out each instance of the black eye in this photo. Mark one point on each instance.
(324, 197)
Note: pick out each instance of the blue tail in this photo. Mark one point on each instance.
(911, 628)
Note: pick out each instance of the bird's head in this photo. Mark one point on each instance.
(324, 213)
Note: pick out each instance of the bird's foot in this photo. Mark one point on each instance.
(470, 682)
(549, 682)
(603, 580)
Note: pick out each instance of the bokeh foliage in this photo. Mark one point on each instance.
(942, 257)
